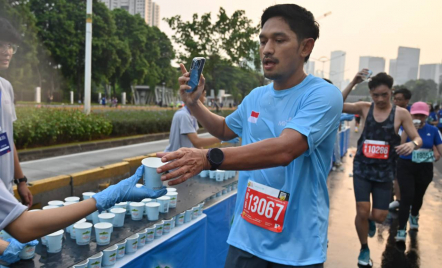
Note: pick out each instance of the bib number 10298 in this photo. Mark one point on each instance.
(265, 206)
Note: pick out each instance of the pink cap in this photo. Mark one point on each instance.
(420, 108)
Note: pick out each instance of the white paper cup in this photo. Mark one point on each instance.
(150, 234)
(212, 174)
(167, 226)
(201, 205)
(141, 239)
(55, 241)
(164, 202)
(121, 250)
(72, 230)
(224, 191)
(136, 210)
(188, 215)
(171, 190)
(173, 199)
(204, 174)
(218, 194)
(152, 180)
(28, 252)
(49, 207)
(153, 211)
(120, 214)
(195, 212)
(83, 233)
(145, 201)
(56, 203)
(83, 264)
(128, 208)
(94, 215)
(107, 217)
(4, 235)
(220, 174)
(179, 219)
(87, 195)
(74, 199)
(96, 260)
(158, 229)
(103, 233)
(110, 256)
(132, 244)
(173, 222)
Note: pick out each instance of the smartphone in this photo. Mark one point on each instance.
(365, 77)
(196, 69)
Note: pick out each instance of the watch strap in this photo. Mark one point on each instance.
(18, 181)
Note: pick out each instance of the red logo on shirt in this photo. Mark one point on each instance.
(253, 117)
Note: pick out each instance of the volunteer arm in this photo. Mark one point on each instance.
(410, 130)
(32, 225)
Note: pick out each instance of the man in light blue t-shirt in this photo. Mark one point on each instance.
(288, 129)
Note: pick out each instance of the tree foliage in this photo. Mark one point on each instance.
(125, 51)
(228, 44)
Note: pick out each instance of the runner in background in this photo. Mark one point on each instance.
(374, 166)
(415, 170)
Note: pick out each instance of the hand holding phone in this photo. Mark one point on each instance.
(196, 69)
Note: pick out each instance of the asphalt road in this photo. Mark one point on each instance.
(68, 164)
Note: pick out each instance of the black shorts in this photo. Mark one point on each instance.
(237, 258)
(381, 192)
(358, 119)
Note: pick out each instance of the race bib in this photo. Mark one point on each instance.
(265, 206)
(440, 120)
(4, 144)
(376, 149)
(423, 156)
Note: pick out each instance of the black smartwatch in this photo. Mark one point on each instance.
(18, 181)
(215, 157)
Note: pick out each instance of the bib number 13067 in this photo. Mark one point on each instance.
(265, 206)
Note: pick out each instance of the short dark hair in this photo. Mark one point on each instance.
(300, 20)
(404, 91)
(8, 33)
(381, 79)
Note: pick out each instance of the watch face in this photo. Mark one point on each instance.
(216, 155)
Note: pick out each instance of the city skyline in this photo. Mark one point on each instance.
(376, 29)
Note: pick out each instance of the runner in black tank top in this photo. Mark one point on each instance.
(374, 165)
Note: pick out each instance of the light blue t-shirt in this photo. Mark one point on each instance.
(313, 108)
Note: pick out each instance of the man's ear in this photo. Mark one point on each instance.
(307, 46)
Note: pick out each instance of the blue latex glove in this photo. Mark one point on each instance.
(232, 141)
(11, 253)
(126, 190)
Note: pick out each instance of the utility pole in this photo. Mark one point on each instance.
(88, 59)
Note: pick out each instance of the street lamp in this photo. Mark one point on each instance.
(162, 95)
(325, 59)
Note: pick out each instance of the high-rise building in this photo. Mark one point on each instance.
(407, 64)
(392, 68)
(430, 71)
(337, 67)
(141, 7)
(155, 15)
(374, 64)
(309, 67)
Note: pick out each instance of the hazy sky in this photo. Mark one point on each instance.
(361, 28)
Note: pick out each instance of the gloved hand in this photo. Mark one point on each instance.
(11, 253)
(126, 190)
(232, 141)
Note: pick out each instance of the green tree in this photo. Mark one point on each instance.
(421, 89)
(23, 72)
